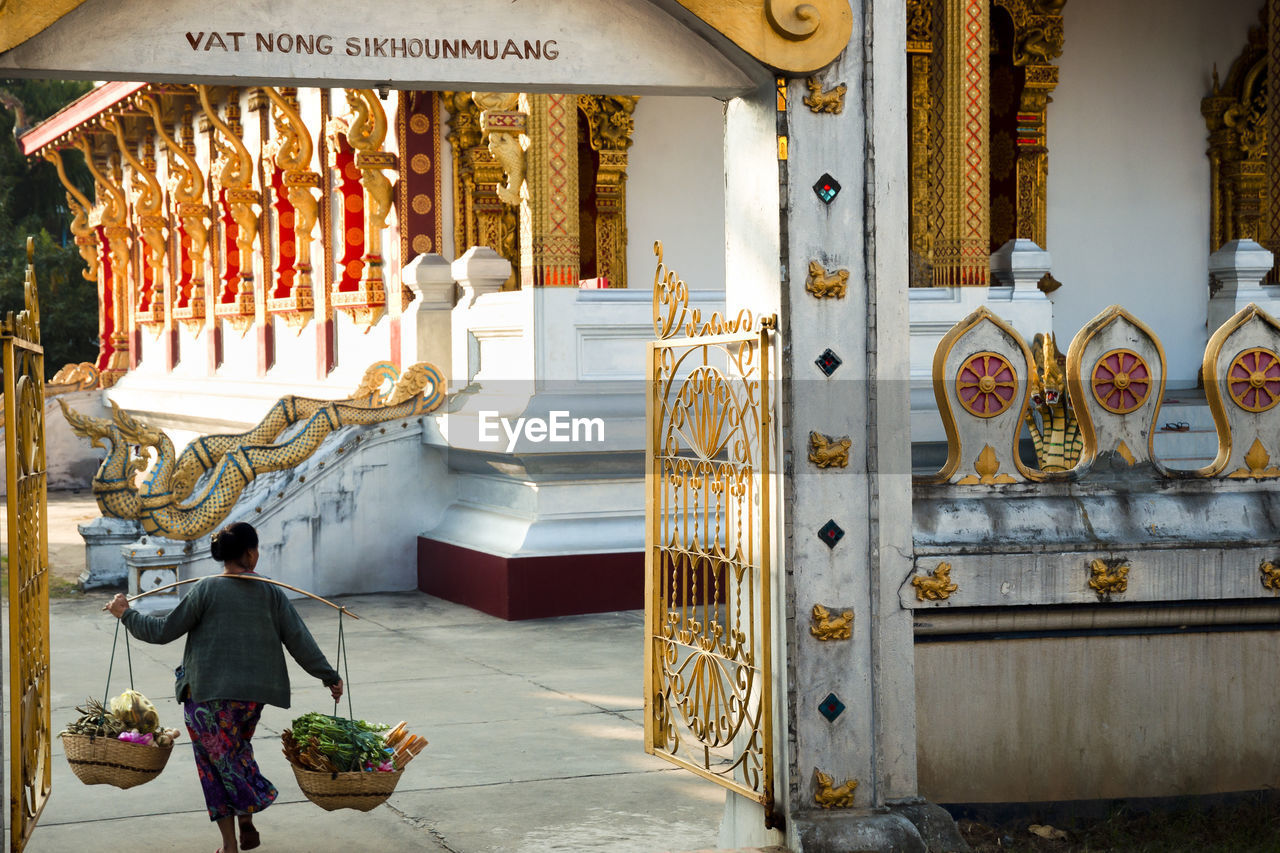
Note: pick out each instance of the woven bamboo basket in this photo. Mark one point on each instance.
(359, 790)
(107, 761)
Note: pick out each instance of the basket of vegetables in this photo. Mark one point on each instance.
(343, 763)
(121, 744)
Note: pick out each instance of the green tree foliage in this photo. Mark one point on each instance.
(33, 202)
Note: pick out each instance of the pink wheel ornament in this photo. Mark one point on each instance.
(1253, 380)
(986, 384)
(1121, 381)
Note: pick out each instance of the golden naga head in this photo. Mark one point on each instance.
(1049, 379)
(86, 426)
(413, 383)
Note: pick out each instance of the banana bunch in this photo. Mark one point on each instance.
(136, 711)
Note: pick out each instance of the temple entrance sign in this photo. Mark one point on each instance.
(30, 736)
(604, 46)
(709, 528)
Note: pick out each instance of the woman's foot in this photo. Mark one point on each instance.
(249, 836)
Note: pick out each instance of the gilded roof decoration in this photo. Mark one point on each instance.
(22, 19)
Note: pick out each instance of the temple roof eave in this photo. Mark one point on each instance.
(83, 109)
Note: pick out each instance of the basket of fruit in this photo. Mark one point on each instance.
(121, 744)
(342, 763)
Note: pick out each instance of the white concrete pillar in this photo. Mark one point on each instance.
(427, 324)
(849, 728)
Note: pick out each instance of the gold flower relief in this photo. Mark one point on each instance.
(1257, 464)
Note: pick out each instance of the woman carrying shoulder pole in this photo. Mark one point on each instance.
(232, 665)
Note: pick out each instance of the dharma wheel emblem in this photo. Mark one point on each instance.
(1253, 379)
(986, 384)
(1121, 381)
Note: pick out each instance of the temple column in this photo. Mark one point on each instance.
(919, 110)
(961, 133)
(610, 125)
(1270, 238)
(111, 215)
(549, 208)
(481, 217)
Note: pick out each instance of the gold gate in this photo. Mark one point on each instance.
(708, 667)
(30, 750)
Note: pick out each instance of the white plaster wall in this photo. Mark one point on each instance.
(675, 191)
(1109, 716)
(346, 520)
(1128, 190)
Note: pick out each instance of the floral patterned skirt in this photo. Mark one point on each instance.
(221, 730)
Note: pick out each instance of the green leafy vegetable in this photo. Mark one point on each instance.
(349, 744)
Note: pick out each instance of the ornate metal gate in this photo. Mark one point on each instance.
(30, 773)
(708, 668)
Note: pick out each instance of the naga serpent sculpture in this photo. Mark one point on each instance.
(164, 505)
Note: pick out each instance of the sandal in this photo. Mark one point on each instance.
(249, 838)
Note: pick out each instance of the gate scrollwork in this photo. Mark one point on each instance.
(708, 672)
(30, 736)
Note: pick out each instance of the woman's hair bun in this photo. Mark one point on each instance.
(232, 542)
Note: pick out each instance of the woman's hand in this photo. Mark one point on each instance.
(118, 605)
(336, 690)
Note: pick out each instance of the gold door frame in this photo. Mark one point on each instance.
(30, 732)
(708, 534)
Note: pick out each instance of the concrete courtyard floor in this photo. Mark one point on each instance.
(535, 733)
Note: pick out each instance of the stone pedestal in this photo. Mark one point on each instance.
(153, 563)
(481, 270)
(103, 538)
(1021, 264)
(427, 322)
(1239, 267)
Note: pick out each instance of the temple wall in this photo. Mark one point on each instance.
(1097, 716)
(675, 190)
(1128, 195)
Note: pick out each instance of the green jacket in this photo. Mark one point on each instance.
(235, 632)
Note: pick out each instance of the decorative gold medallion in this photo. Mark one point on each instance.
(1253, 379)
(936, 586)
(827, 627)
(1108, 577)
(986, 384)
(827, 795)
(828, 452)
(1121, 381)
(1270, 575)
